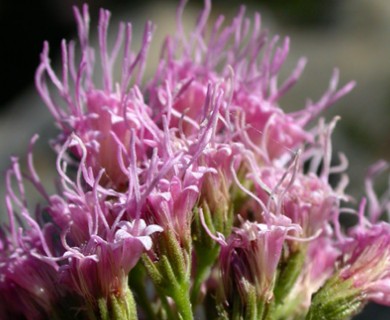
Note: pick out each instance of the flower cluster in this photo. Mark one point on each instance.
(190, 193)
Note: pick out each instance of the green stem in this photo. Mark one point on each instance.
(183, 303)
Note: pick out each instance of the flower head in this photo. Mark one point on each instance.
(100, 244)
(250, 112)
(320, 265)
(366, 248)
(29, 287)
(151, 168)
(367, 263)
(363, 266)
(250, 258)
(100, 268)
(103, 118)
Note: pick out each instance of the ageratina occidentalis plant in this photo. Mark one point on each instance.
(189, 194)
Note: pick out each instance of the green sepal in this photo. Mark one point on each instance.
(103, 310)
(179, 259)
(171, 275)
(288, 274)
(118, 307)
(336, 300)
(256, 306)
(253, 310)
(152, 270)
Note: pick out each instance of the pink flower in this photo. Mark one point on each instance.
(250, 112)
(367, 262)
(377, 206)
(103, 118)
(100, 241)
(29, 286)
(207, 132)
(86, 244)
(251, 256)
(365, 249)
(99, 268)
(306, 199)
(171, 205)
(320, 265)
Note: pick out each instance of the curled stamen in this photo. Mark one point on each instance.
(305, 239)
(219, 238)
(264, 208)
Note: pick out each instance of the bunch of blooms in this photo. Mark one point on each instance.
(190, 194)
